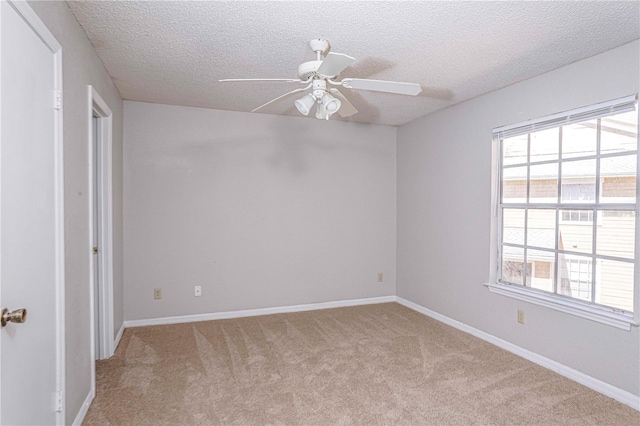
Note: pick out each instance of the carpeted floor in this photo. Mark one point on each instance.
(368, 365)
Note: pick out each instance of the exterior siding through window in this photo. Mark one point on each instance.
(568, 210)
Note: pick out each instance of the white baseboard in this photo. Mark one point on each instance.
(257, 312)
(84, 409)
(116, 341)
(611, 391)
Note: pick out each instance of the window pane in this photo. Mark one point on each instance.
(542, 270)
(514, 150)
(544, 145)
(512, 264)
(576, 231)
(616, 233)
(513, 226)
(618, 176)
(578, 181)
(541, 228)
(615, 284)
(578, 192)
(619, 133)
(574, 276)
(514, 185)
(543, 186)
(579, 140)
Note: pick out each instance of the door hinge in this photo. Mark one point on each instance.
(57, 99)
(58, 401)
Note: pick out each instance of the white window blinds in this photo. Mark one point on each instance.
(604, 109)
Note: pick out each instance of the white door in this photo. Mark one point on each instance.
(31, 249)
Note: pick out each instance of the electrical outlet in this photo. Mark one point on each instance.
(520, 316)
(198, 291)
(380, 277)
(157, 293)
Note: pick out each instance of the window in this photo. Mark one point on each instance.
(566, 209)
(513, 271)
(577, 216)
(578, 192)
(579, 277)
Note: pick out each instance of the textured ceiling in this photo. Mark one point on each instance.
(174, 52)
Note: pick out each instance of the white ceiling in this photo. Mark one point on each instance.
(174, 52)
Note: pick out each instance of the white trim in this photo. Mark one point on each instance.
(636, 269)
(116, 341)
(23, 8)
(84, 409)
(257, 312)
(96, 105)
(611, 391)
(621, 321)
(39, 28)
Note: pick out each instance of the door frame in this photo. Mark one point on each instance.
(98, 107)
(38, 27)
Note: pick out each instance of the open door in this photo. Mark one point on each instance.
(31, 220)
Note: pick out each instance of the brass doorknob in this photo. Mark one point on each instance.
(19, 316)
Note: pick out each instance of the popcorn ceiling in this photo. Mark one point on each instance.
(174, 52)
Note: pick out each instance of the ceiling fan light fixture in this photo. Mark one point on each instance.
(305, 103)
(330, 103)
(321, 113)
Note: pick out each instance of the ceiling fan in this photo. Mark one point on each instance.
(319, 75)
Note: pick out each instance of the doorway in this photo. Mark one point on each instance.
(101, 247)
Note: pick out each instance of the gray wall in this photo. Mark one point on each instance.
(269, 211)
(260, 210)
(444, 217)
(81, 67)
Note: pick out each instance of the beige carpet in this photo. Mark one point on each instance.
(369, 365)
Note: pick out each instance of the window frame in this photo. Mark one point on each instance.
(590, 310)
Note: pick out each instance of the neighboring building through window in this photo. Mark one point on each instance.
(567, 206)
(579, 276)
(578, 192)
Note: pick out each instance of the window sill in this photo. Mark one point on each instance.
(613, 319)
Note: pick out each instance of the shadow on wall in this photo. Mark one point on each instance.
(295, 141)
(286, 144)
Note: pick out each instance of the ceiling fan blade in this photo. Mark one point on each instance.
(334, 63)
(346, 108)
(382, 86)
(282, 96)
(286, 80)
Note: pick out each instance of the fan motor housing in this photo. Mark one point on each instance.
(319, 45)
(307, 69)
